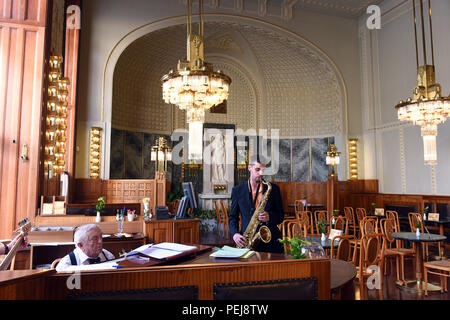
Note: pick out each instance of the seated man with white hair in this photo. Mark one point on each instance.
(88, 248)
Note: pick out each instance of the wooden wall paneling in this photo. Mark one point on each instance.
(22, 26)
(186, 231)
(88, 190)
(53, 286)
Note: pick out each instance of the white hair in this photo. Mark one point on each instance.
(80, 235)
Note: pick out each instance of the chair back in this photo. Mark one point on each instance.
(415, 218)
(296, 229)
(320, 215)
(368, 225)
(391, 214)
(299, 206)
(340, 223)
(370, 250)
(349, 214)
(218, 214)
(360, 213)
(344, 249)
(388, 227)
(224, 211)
(307, 220)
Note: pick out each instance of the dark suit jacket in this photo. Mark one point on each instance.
(240, 204)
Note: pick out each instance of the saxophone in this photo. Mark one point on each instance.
(263, 233)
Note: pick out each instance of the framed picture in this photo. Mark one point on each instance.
(379, 211)
(433, 216)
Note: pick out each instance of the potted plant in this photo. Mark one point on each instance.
(425, 213)
(418, 226)
(374, 205)
(172, 196)
(99, 207)
(335, 214)
(207, 218)
(322, 229)
(295, 245)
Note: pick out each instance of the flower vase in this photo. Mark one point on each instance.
(417, 232)
(333, 221)
(98, 218)
(323, 237)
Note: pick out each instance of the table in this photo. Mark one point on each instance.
(424, 237)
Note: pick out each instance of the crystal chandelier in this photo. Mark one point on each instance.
(195, 86)
(427, 108)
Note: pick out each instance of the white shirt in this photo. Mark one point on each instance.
(82, 259)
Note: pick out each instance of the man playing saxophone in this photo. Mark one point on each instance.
(245, 199)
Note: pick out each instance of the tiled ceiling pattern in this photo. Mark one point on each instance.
(343, 8)
(277, 82)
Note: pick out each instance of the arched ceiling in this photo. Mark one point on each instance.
(278, 82)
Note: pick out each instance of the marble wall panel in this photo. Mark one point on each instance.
(116, 170)
(134, 142)
(284, 164)
(301, 160)
(319, 168)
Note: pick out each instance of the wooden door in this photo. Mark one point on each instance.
(22, 48)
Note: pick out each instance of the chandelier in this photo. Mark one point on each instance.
(427, 108)
(195, 86)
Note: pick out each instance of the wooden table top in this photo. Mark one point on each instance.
(10, 276)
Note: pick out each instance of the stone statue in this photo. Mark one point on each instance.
(218, 157)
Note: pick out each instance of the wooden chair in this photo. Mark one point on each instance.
(299, 206)
(344, 249)
(225, 220)
(391, 249)
(55, 263)
(321, 215)
(391, 214)
(368, 225)
(350, 215)
(414, 218)
(360, 214)
(370, 255)
(440, 268)
(220, 226)
(296, 229)
(340, 223)
(306, 219)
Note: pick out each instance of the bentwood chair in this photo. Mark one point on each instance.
(350, 215)
(340, 223)
(370, 261)
(368, 225)
(392, 248)
(306, 219)
(321, 215)
(299, 206)
(360, 214)
(344, 249)
(218, 219)
(440, 268)
(224, 211)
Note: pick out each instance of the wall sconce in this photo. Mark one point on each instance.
(55, 137)
(95, 143)
(160, 154)
(332, 160)
(353, 158)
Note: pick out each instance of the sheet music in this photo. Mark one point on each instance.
(162, 250)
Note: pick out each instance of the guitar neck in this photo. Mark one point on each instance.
(7, 261)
